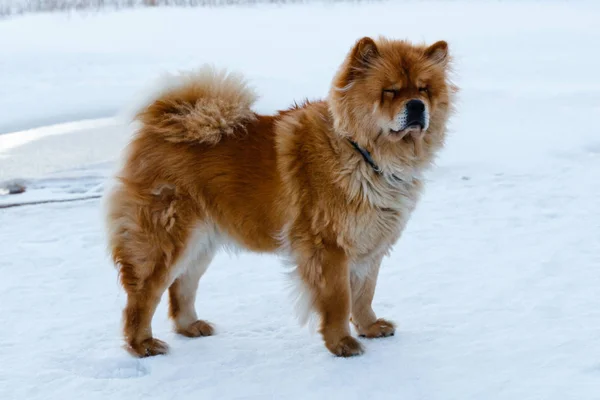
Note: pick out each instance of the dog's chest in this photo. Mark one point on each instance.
(378, 225)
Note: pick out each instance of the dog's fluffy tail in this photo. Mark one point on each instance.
(200, 106)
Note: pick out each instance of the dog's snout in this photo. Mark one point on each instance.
(415, 112)
(415, 106)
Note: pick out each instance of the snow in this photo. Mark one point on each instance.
(59, 148)
(494, 285)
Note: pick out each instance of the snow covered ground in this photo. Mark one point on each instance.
(495, 285)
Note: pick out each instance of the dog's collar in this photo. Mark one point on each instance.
(367, 156)
(369, 160)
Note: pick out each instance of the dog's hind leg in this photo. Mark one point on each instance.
(145, 277)
(137, 320)
(182, 296)
(149, 233)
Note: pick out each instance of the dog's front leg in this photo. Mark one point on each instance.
(327, 275)
(363, 289)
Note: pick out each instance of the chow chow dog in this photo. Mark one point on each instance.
(328, 184)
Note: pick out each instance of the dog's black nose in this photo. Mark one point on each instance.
(416, 106)
(415, 113)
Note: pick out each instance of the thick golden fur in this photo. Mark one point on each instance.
(204, 171)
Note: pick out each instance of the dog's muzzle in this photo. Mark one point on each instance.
(414, 116)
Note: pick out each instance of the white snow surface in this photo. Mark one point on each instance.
(495, 284)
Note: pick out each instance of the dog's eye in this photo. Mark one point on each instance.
(391, 93)
(424, 89)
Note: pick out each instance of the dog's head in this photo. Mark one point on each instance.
(393, 96)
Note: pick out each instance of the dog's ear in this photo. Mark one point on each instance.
(357, 62)
(364, 52)
(438, 53)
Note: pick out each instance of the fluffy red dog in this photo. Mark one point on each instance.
(330, 184)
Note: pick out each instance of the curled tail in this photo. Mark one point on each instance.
(200, 106)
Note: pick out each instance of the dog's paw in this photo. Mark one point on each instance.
(378, 329)
(147, 348)
(197, 329)
(346, 347)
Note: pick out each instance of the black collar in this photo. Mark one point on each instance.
(367, 156)
(369, 160)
